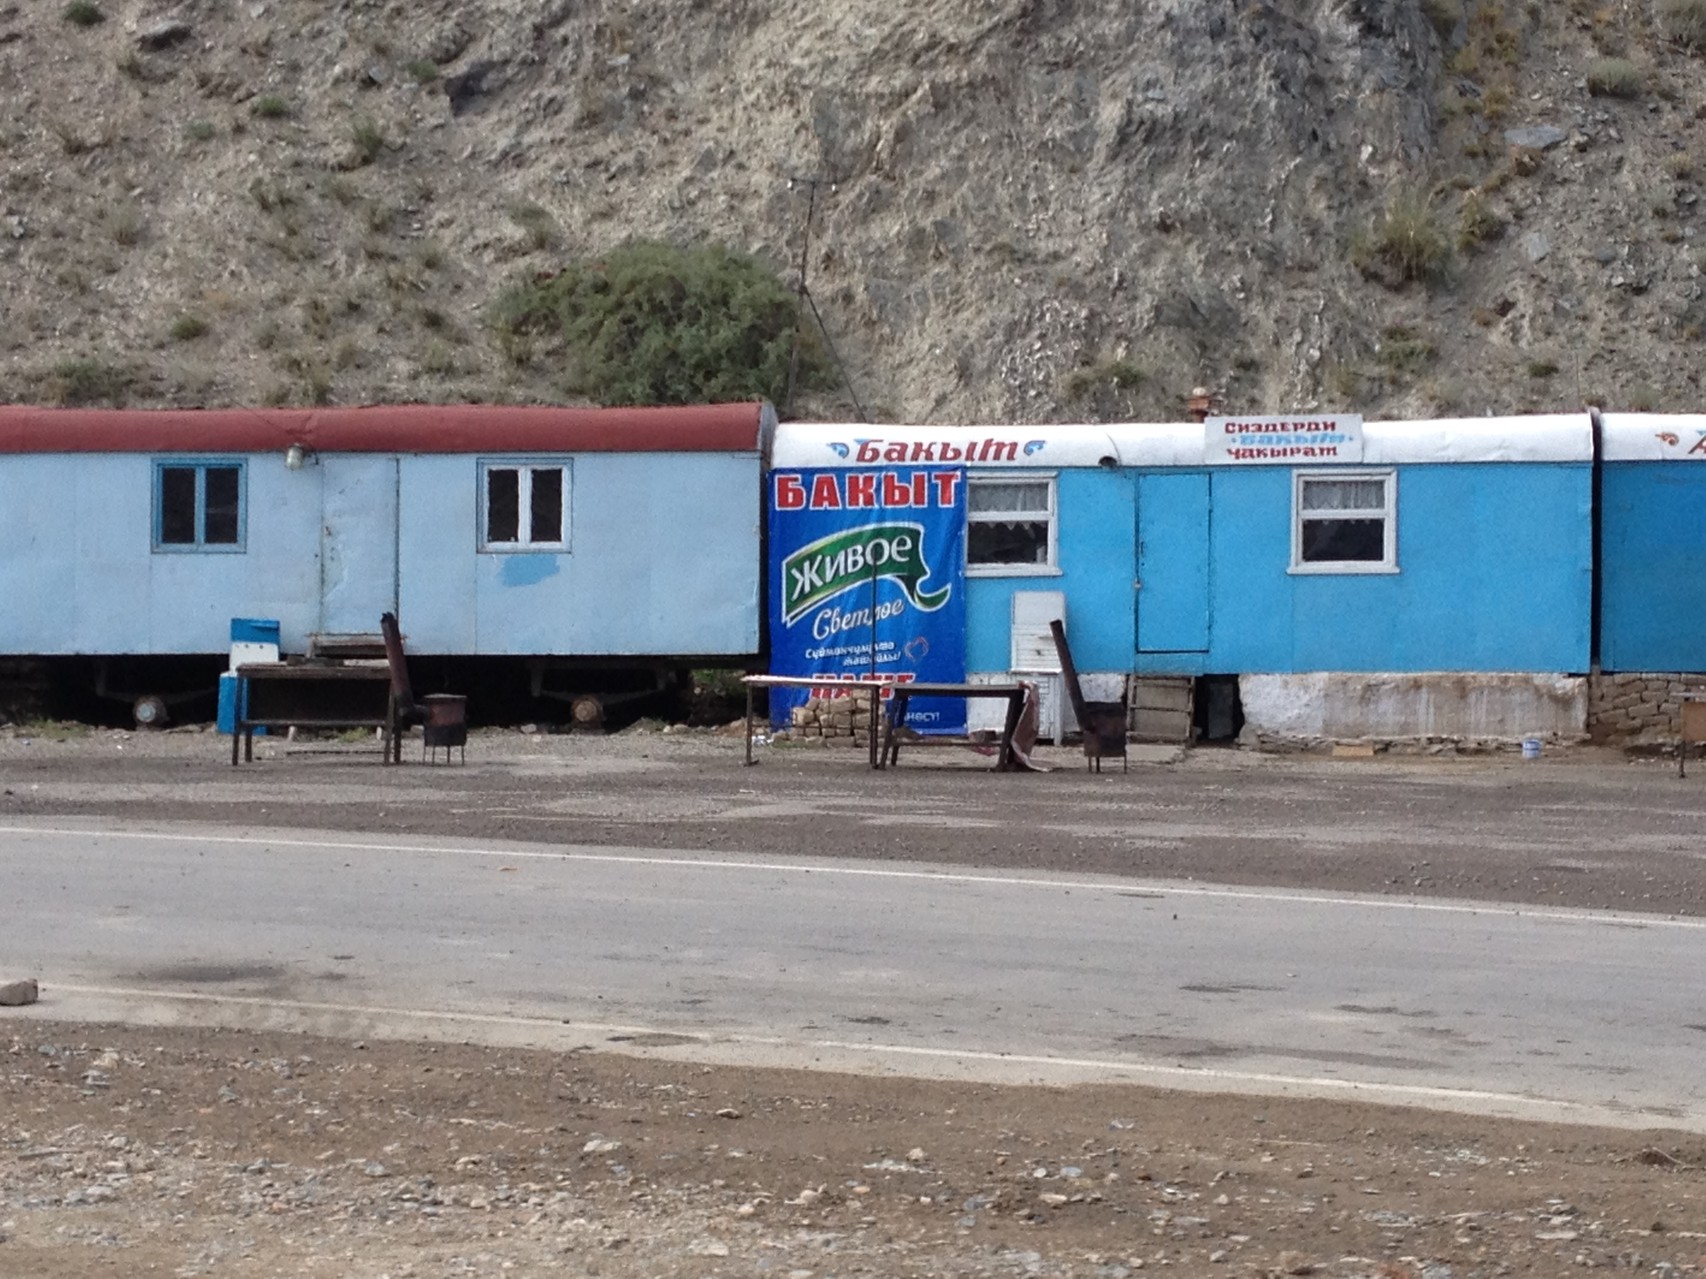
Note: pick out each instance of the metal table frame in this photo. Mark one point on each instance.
(874, 687)
(309, 695)
(904, 693)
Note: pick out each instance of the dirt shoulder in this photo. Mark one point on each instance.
(188, 1151)
(208, 1152)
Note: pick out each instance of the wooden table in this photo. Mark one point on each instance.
(904, 693)
(874, 687)
(278, 695)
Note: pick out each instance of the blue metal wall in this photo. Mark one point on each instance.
(1495, 574)
(665, 559)
(1653, 571)
(1097, 561)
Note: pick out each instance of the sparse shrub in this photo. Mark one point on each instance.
(1115, 374)
(1444, 16)
(536, 221)
(1407, 243)
(83, 13)
(124, 223)
(422, 70)
(1615, 78)
(269, 106)
(1685, 22)
(86, 380)
(199, 131)
(651, 323)
(1680, 165)
(1477, 223)
(368, 141)
(73, 142)
(1404, 349)
(1545, 366)
(188, 327)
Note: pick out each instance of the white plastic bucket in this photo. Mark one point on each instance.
(1531, 748)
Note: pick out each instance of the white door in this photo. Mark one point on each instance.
(358, 542)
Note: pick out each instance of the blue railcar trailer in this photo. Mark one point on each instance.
(1414, 579)
(512, 539)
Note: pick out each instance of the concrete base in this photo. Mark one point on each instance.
(1338, 706)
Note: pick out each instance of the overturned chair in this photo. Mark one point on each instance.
(443, 717)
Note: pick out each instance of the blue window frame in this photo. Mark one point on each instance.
(199, 505)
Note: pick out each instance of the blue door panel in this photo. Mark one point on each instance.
(1172, 563)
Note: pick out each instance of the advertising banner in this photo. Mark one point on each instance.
(867, 580)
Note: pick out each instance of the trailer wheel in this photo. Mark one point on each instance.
(150, 712)
(587, 712)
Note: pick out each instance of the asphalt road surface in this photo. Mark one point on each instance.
(1513, 1009)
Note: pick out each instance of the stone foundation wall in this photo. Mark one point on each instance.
(1639, 706)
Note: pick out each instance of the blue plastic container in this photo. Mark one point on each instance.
(254, 630)
(230, 689)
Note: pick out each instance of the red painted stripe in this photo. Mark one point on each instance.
(412, 428)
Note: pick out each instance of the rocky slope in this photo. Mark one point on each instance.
(1028, 209)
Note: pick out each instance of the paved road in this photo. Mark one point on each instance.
(1514, 1010)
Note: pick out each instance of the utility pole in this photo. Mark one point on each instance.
(804, 293)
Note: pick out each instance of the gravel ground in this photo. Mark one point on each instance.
(205, 1151)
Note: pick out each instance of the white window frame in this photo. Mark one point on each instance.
(525, 468)
(976, 479)
(1388, 513)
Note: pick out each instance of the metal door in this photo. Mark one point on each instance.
(1173, 513)
(1035, 658)
(358, 542)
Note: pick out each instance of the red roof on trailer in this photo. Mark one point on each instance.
(410, 428)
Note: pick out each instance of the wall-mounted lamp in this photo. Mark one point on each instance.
(294, 457)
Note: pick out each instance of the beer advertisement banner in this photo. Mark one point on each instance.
(867, 579)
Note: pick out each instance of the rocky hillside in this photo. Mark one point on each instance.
(1027, 209)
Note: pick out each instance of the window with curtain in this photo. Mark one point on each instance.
(1345, 522)
(1010, 523)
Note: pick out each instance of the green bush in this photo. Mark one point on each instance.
(1685, 22)
(1407, 244)
(188, 327)
(1615, 78)
(651, 323)
(269, 106)
(367, 139)
(200, 130)
(1115, 374)
(83, 13)
(422, 70)
(85, 380)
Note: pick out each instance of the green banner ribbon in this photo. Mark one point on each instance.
(853, 557)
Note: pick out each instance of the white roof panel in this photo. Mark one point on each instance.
(1557, 437)
(1550, 437)
(815, 444)
(1653, 437)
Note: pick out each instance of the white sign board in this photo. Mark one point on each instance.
(1288, 441)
